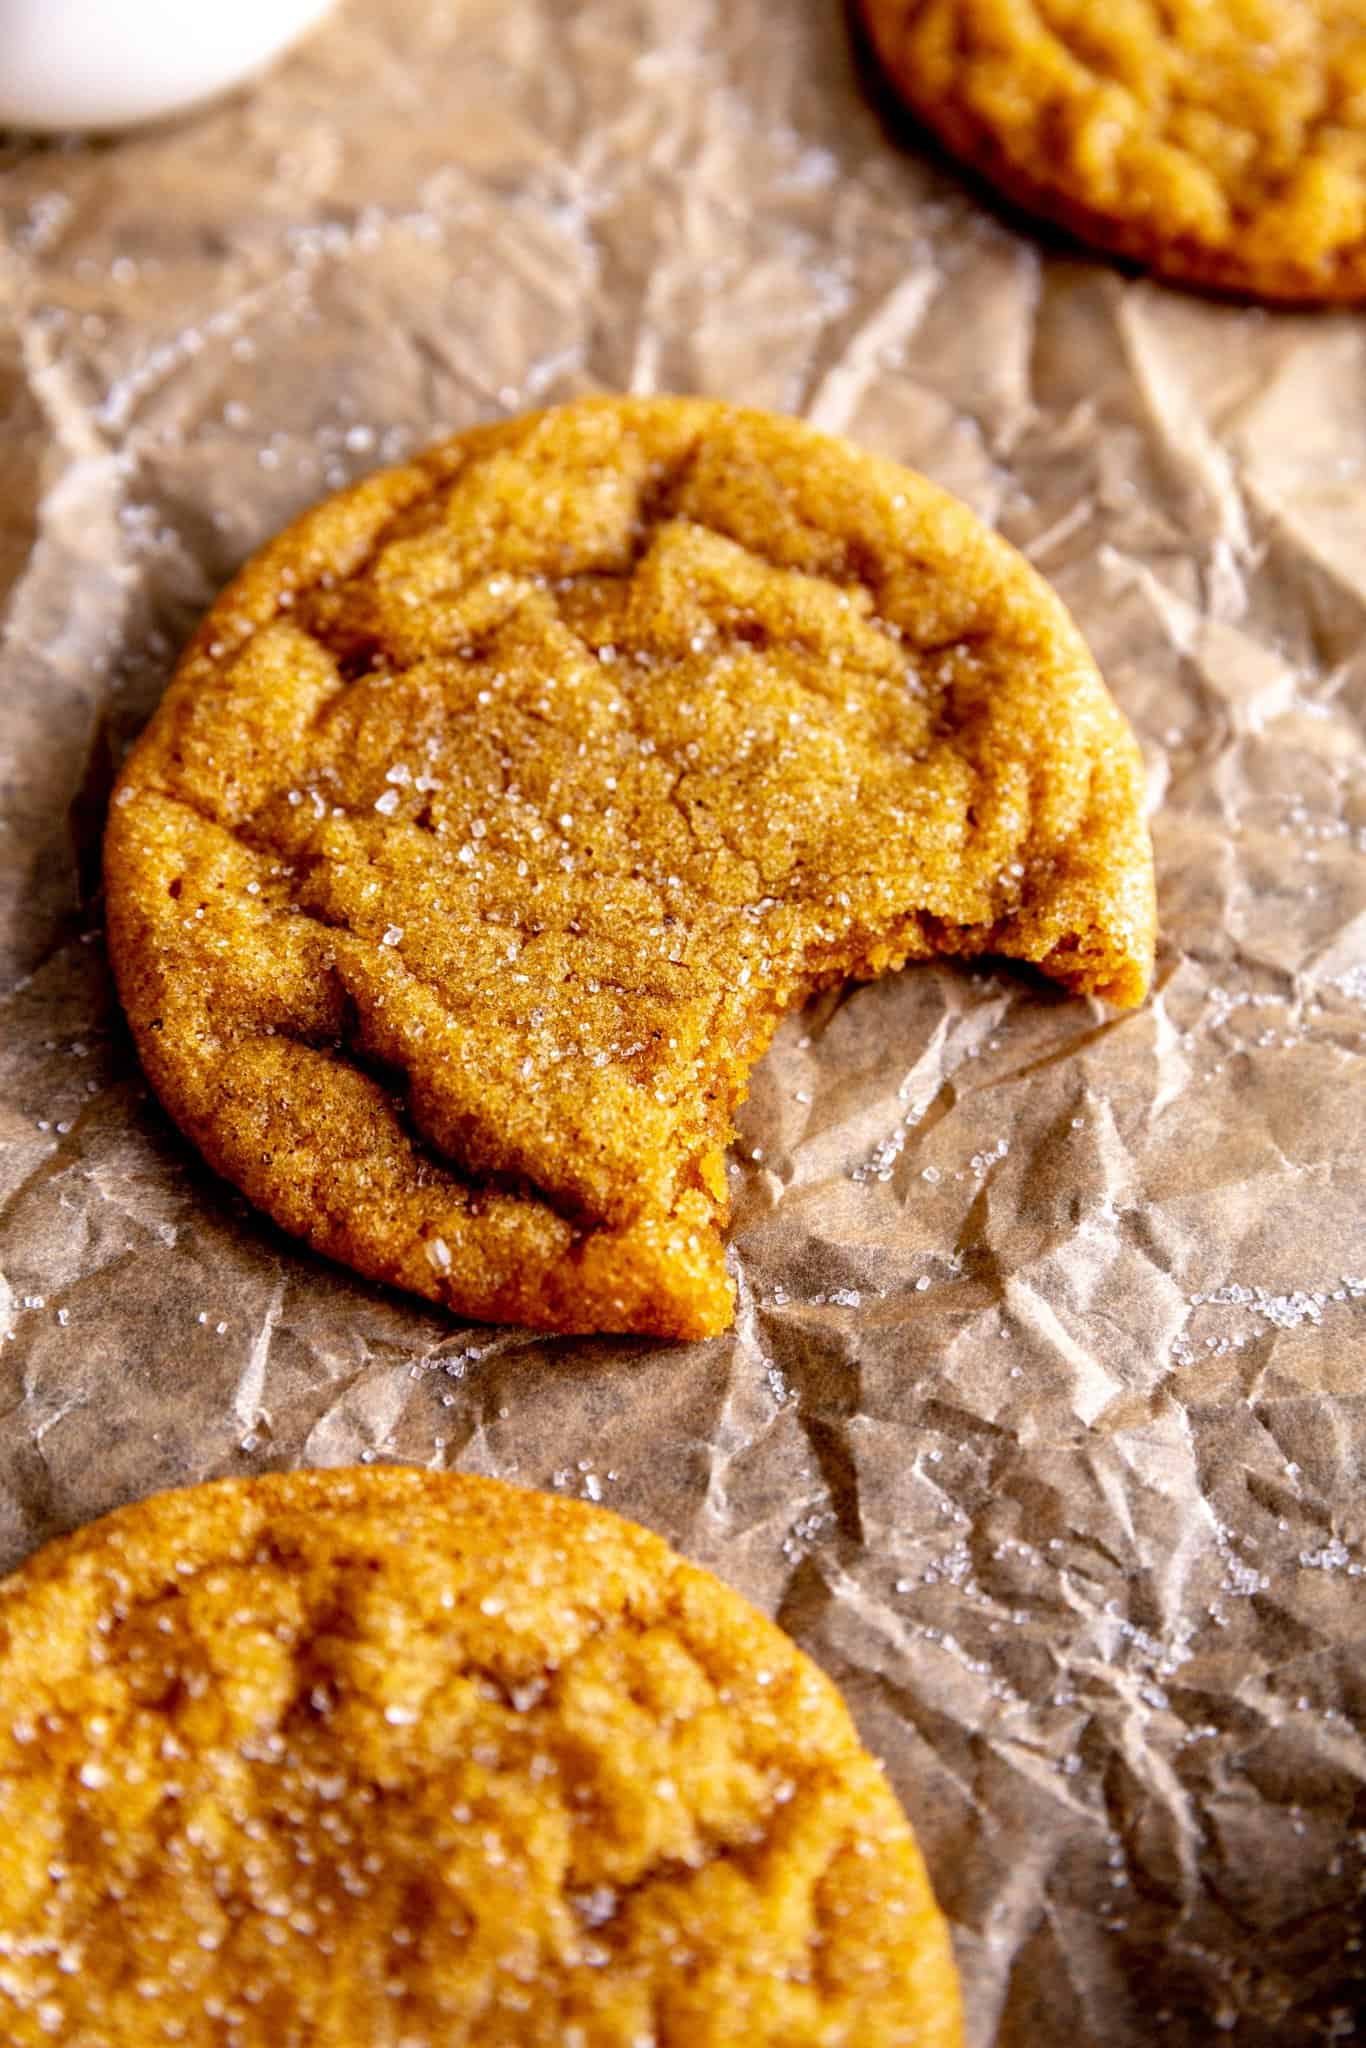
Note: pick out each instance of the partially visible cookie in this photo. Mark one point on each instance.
(1221, 145)
(501, 807)
(393, 1759)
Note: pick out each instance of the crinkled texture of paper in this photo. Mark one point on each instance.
(1043, 1421)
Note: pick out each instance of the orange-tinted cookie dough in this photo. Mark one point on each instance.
(1221, 144)
(500, 808)
(394, 1759)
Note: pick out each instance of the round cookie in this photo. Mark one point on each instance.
(1222, 146)
(395, 1759)
(501, 807)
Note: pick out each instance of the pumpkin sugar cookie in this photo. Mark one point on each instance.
(501, 807)
(1221, 145)
(381, 1758)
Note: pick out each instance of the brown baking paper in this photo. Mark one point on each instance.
(1042, 1423)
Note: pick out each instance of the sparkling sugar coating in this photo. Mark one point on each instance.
(1224, 144)
(393, 1759)
(500, 808)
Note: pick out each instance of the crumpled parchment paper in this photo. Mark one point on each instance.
(1043, 1421)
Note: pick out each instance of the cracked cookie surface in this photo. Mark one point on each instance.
(374, 1759)
(500, 808)
(1222, 145)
